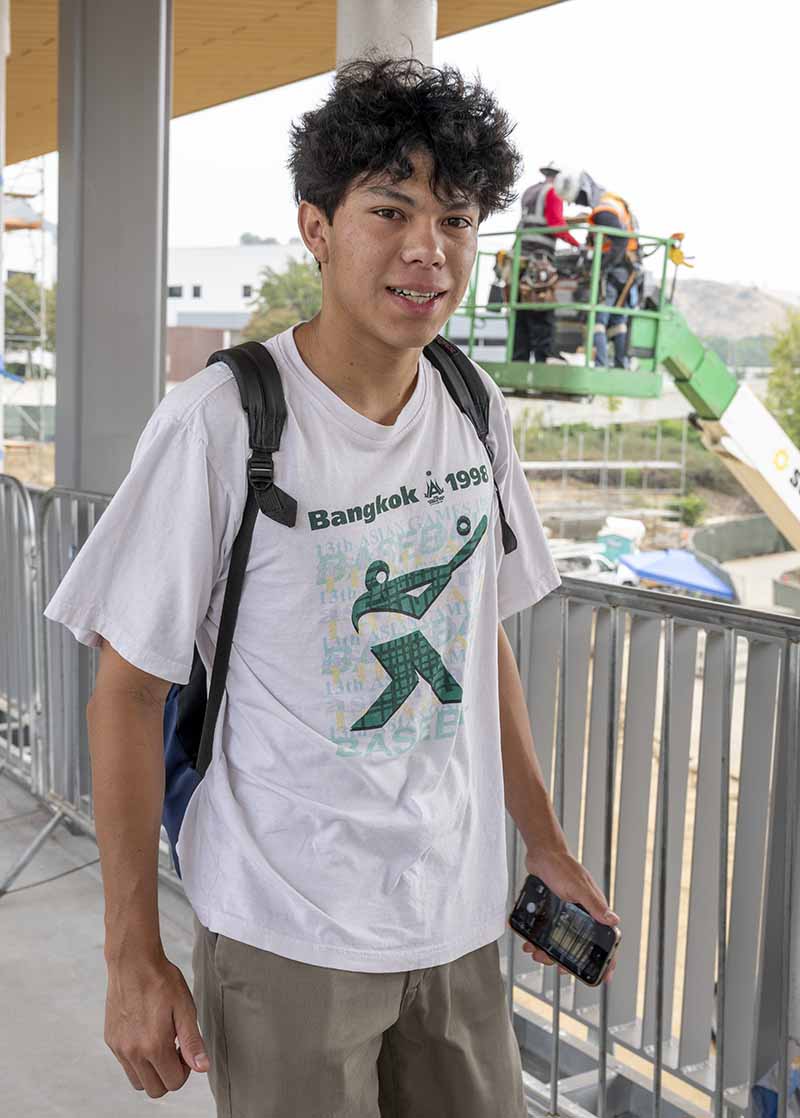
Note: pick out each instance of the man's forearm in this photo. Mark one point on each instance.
(526, 796)
(126, 746)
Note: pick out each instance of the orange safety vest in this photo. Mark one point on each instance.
(613, 204)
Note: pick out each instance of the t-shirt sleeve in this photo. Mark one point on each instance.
(528, 573)
(143, 578)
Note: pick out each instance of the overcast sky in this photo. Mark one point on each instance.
(693, 119)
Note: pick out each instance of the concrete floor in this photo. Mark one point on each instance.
(54, 1062)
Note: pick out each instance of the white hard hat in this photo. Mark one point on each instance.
(568, 185)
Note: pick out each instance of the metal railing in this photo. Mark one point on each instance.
(667, 731)
(67, 669)
(20, 699)
(650, 246)
(66, 519)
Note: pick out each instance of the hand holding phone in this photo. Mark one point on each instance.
(565, 931)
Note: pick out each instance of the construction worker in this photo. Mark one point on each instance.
(542, 208)
(619, 267)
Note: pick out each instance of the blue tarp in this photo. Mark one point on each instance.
(679, 567)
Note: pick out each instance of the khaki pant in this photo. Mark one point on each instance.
(293, 1040)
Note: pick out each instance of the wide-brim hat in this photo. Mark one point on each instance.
(550, 169)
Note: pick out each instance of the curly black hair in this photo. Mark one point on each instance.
(380, 111)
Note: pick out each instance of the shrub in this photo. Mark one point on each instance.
(689, 508)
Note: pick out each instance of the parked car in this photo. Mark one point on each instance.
(587, 563)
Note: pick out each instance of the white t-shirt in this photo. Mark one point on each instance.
(352, 815)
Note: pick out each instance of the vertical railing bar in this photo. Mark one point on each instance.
(5, 599)
(613, 699)
(5, 596)
(472, 297)
(37, 627)
(43, 514)
(15, 648)
(27, 549)
(63, 653)
(30, 553)
(74, 787)
(791, 667)
(23, 631)
(5, 678)
(54, 541)
(517, 648)
(722, 898)
(663, 773)
(56, 681)
(513, 297)
(594, 294)
(43, 668)
(11, 561)
(510, 950)
(558, 798)
(91, 512)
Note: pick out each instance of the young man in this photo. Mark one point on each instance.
(345, 853)
(542, 209)
(620, 263)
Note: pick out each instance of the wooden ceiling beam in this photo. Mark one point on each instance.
(222, 53)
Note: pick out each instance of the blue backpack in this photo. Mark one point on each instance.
(191, 709)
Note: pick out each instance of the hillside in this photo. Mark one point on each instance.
(729, 310)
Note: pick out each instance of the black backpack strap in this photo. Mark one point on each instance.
(230, 609)
(262, 399)
(463, 382)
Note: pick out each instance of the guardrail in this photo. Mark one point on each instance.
(67, 669)
(649, 246)
(21, 751)
(667, 730)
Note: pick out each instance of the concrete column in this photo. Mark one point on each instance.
(114, 99)
(400, 28)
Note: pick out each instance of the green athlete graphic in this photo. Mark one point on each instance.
(407, 658)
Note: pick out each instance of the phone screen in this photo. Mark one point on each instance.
(572, 934)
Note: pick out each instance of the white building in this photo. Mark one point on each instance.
(207, 288)
(215, 286)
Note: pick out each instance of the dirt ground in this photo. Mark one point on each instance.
(32, 463)
(562, 505)
(549, 493)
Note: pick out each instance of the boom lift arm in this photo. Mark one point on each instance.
(735, 425)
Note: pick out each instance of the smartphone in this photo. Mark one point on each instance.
(564, 931)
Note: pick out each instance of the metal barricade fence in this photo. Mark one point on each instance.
(66, 519)
(667, 730)
(66, 674)
(21, 746)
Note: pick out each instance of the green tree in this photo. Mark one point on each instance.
(254, 239)
(736, 352)
(284, 298)
(23, 307)
(783, 386)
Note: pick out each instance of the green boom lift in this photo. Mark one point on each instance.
(734, 424)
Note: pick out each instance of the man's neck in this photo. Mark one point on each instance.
(373, 379)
